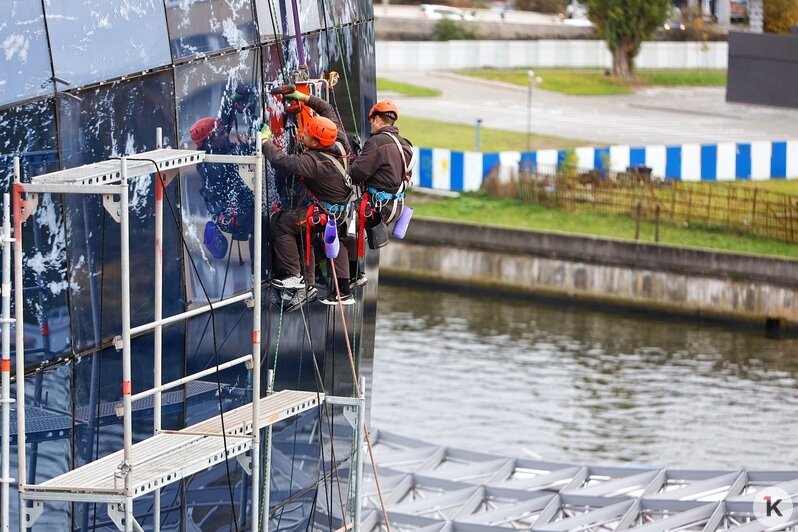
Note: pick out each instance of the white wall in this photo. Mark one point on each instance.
(446, 55)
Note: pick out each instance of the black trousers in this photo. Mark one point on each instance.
(287, 231)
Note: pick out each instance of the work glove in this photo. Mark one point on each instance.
(296, 95)
(265, 132)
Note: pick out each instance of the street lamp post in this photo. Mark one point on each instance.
(530, 81)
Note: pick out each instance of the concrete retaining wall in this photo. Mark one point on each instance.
(448, 55)
(686, 281)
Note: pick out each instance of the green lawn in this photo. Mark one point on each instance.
(459, 137)
(594, 82)
(479, 208)
(405, 89)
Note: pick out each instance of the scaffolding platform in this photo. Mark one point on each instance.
(108, 172)
(172, 455)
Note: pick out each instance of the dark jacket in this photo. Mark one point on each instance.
(379, 164)
(320, 175)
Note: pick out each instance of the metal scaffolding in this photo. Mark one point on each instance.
(168, 456)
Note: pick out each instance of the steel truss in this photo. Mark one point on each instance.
(432, 488)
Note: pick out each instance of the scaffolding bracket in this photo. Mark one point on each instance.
(116, 511)
(246, 462)
(33, 513)
(111, 203)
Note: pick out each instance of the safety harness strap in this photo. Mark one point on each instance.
(402, 153)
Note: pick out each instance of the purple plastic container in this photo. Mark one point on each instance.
(331, 244)
(400, 228)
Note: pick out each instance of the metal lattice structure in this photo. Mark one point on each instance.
(432, 488)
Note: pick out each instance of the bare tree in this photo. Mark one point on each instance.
(625, 24)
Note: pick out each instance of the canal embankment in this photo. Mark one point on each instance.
(687, 281)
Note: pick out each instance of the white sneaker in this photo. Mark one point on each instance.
(292, 282)
(346, 300)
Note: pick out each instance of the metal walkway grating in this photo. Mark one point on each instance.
(170, 456)
(432, 488)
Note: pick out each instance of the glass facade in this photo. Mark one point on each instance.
(84, 81)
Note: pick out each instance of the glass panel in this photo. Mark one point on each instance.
(119, 37)
(25, 69)
(202, 26)
(29, 131)
(101, 126)
(218, 110)
(276, 17)
(48, 402)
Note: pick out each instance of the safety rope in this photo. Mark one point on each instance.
(213, 330)
(358, 392)
(339, 43)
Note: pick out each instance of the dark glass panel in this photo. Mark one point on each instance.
(29, 131)
(221, 95)
(203, 26)
(95, 40)
(108, 122)
(48, 402)
(276, 18)
(25, 69)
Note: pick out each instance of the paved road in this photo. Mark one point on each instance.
(650, 116)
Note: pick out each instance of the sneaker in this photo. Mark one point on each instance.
(346, 300)
(360, 280)
(301, 298)
(292, 282)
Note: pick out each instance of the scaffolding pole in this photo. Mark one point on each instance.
(19, 353)
(5, 362)
(127, 386)
(256, 319)
(158, 316)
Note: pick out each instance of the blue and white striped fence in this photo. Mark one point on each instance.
(726, 161)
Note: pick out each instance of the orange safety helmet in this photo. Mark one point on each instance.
(322, 129)
(204, 128)
(385, 107)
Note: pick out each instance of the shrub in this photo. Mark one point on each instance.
(452, 30)
(780, 15)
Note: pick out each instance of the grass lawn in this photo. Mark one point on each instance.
(776, 185)
(594, 82)
(460, 137)
(405, 89)
(479, 208)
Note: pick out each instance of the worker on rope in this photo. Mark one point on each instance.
(228, 199)
(383, 168)
(322, 165)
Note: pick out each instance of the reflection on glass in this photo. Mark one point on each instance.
(29, 131)
(118, 37)
(202, 26)
(276, 18)
(219, 111)
(25, 62)
(109, 122)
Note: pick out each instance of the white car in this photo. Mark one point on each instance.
(436, 12)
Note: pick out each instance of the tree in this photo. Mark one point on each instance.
(625, 24)
(780, 15)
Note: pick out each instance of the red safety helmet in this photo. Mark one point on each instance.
(322, 129)
(204, 128)
(385, 107)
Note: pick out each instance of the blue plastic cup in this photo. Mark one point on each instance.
(331, 244)
(400, 228)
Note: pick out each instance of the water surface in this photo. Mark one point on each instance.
(582, 385)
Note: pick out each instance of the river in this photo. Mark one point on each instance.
(569, 383)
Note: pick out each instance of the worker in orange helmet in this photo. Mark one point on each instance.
(322, 163)
(383, 165)
(228, 199)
